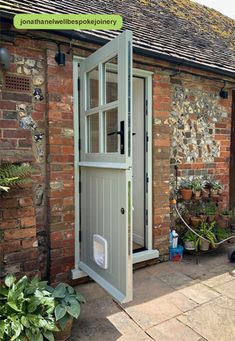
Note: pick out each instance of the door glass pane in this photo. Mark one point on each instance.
(111, 123)
(92, 89)
(111, 80)
(93, 133)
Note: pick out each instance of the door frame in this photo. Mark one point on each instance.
(141, 256)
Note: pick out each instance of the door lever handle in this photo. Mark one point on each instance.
(114, 132)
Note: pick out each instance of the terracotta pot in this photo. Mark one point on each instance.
(186, 193)
(211, 218)
(203, 217)
(197, 195)
(63, 335)
(196, 221)
(189, 245)
(205, 193)
(204, 246)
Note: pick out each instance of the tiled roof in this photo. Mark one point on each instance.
(176, 28)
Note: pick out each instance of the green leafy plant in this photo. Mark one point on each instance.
(14, 174)
(190, 236)
(206, 231)
(26, 310)
(67, 303)
(210, 208)
(186, 184)
(215, 185)
(196, 185)
(221, 233)
(225, 213)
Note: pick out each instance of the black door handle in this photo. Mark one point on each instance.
(114, 132)
(121, 132)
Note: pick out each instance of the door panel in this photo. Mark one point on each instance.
(106, 167)
(104, 194)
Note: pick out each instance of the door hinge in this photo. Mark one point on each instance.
(80, 187)
(80, 236)
(78, 84)
(147, 182)
(146, 107)
(146, 216)
(79, 144)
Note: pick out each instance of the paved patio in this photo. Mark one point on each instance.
(181, 301)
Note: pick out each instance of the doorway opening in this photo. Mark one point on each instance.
(140, 183)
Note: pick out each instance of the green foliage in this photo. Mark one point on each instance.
(186, 184)
(67, 303)
(210, 208)
(14, 174)
(216, 185)
(26, 310)
(206, 231)
(221, 234)
(190, 236)
(196, 185)
(225, 213)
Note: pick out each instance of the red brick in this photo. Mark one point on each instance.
(9, 224)
(8, 124)
(25, 202)
(28, 221)
(20, 233)
(29, 243)
(17, 133)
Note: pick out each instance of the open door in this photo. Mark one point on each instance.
(106, 166)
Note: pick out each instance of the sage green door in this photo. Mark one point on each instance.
(106, 166)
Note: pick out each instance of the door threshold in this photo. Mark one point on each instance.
(144, 255)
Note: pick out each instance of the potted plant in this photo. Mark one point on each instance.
(210, 210)
(206, 231)
(67, 307)
(206, 186)
(224, 218)
(186, 190)
(26, 310)
(197, 188)
(197, 214)
(221, 234)
(190, 240)
(216, 188)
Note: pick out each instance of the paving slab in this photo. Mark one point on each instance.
(199, 293)
(227, 289)
(160, 309)
(177, 280)
(215, 320)
(173, 330)
(217, 280)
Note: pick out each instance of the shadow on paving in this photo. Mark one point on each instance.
(181, 301)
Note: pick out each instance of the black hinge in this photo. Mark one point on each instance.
(80, 187)
(147, 182)
(79, 145)
(146, 107)
(80, 236)
(146, 216)
(78, 84)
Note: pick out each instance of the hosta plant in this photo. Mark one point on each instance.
(67, 303)
(26, 310)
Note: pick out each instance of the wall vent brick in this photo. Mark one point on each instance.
(17, 83)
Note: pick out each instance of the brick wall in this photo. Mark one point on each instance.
(23, 237)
